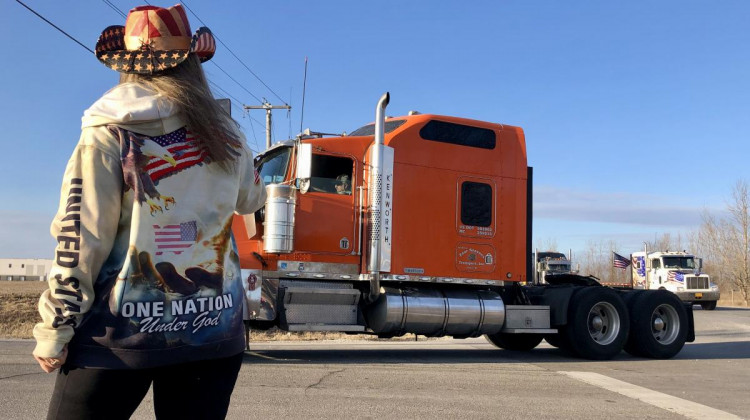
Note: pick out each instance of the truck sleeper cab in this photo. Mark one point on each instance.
(431, 237)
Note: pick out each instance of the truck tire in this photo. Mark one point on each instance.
(598, 323)
(659, 325)
(630, 297)
(708, 306)
(521, 342)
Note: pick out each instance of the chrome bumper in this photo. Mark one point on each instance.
(702, 296)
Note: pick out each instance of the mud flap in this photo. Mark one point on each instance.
(691, 323)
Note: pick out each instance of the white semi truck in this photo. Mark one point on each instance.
(678, 272)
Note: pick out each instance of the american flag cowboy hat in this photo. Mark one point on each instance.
(153, 39)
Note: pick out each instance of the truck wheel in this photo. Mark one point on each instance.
(598, 323)
(630, 297)
(708, 306)
(522, 342)
(659, 325)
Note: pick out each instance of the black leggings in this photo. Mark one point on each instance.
(196, 390)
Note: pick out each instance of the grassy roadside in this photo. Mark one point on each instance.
(18, 307)
(19, 314)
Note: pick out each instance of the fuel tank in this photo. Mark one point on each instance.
(432, 312)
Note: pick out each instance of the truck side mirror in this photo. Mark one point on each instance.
(304, 161)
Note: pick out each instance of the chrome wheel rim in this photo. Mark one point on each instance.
(665, 324)
(603, 323)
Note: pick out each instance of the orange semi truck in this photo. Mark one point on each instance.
(421, 224)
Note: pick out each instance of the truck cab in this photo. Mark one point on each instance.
(421, 224)
(551, 263)
(678, 272)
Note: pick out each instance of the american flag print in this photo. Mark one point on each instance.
(618, 261)
(676, 276)
(175, 238)
(184, 149)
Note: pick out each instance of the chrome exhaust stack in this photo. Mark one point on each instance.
(278, 226)
(379, 241)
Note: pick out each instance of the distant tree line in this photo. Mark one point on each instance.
(722, 240)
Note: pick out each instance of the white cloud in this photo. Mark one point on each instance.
(620, 208)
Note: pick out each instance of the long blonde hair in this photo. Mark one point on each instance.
(187, 88)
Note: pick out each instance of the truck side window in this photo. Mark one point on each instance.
(655, 263)
(476, 204)
(331, 174)
(459, 134)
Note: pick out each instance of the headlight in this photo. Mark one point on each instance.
(714, 287)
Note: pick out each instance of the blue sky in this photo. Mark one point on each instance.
(635, 113)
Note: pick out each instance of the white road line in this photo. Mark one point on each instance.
(686, 408)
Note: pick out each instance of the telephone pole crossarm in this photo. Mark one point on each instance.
(268, 107)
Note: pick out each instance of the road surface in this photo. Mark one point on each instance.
(448, 378)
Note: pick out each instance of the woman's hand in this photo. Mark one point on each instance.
(51, 364)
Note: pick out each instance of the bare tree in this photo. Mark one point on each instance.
(727, 241)
(666, 242)
(549, 244)
(596, 261)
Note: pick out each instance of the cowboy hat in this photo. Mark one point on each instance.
(153, 39)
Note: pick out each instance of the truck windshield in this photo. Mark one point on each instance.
(559, 268)
(679, 262)
(272, 166)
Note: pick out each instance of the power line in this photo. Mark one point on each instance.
(235, 55)
(55, 26)
(226, 73)
(115, 8)
(235, 81)
(232, 97)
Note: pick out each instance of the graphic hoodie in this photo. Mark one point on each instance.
(145, 272)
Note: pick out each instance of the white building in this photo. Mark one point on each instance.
(24, 269)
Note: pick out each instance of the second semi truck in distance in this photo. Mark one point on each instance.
(421, 224)
(551, 263)
(678, 272)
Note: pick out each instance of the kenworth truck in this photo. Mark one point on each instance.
(550, 263)
(421, 224)
(678, 272)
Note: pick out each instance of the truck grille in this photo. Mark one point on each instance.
(697, 282)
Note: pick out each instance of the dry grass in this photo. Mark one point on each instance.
(736, 303)
(22, 287)
(18, 308)
(19, 314)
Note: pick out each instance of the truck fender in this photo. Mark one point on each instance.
(558, 299)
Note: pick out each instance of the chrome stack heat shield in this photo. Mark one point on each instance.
(431, 312)
(278, 227)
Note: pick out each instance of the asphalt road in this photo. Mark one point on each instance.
(447, 378)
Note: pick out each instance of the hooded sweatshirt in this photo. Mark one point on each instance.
(145, 272)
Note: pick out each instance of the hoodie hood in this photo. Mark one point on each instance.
(136, 108)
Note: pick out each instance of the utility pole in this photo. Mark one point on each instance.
(268, 107)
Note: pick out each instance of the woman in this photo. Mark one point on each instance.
(146, 286)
